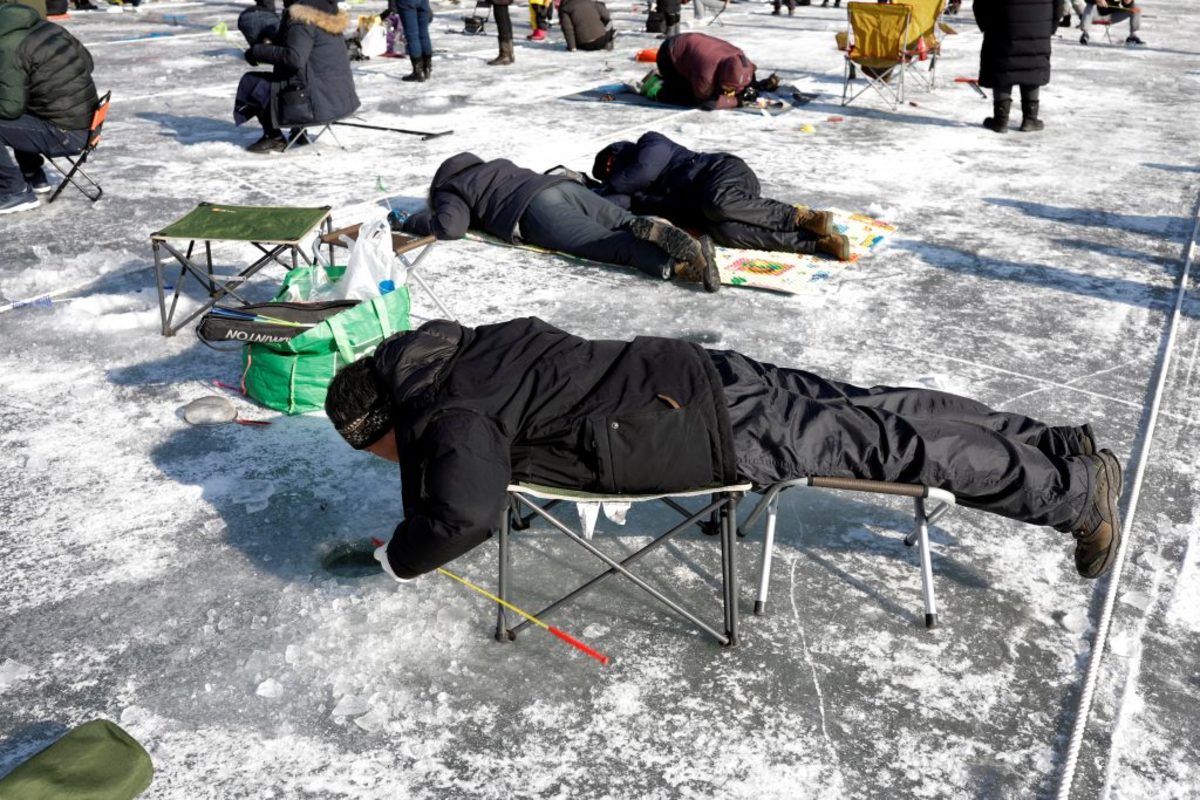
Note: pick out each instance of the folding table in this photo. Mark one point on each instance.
(275, 231)
(722, 501)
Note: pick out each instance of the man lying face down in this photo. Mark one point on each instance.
(468, 411)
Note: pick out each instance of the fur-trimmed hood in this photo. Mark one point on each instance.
(306, 14)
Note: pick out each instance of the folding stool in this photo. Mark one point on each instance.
(723, 502)
(93, 141)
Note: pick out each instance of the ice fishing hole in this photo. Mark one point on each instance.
(351, 560)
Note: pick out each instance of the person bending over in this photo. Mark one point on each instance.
(311, 83)
(702, 71)
(552, 211)
(468, 411)
(47, 99)
(716, 193)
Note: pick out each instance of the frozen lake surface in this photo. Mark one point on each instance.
(170, 578)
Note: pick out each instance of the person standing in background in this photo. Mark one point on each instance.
(414, 18)
(1016, 52)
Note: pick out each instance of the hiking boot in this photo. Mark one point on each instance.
(998, 122)
(267, 144)
(427, 66)
(19, 201)
(1098, 531)
(813, 221)
(506, 55)
(703, 269)
(1133, 40)
(38, 182)
(1084, 39)
(676, 241)
(836, 245)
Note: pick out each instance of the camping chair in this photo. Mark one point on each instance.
(926, 43)
(402, 245)
(876, 47)
(93, 141)
(919, 534)
(721, 501)
(275, 232)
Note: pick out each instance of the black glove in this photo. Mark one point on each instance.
(250, 59)
(748, 96)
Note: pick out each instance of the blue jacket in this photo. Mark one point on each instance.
(653, 176)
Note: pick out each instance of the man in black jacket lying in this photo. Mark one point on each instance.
(467, 411)
(552, 211)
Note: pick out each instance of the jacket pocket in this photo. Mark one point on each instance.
(660, 450)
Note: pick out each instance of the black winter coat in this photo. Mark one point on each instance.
(478, 409)
(468, 192)
(657, 176)
(311, 83)
(44, 71)
(1016, 41)
(584, 22)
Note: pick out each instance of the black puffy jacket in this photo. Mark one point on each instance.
(656, 176)
(311, 83)
(44, 71)
(477, 409)
(1016, 41)
(468, 192)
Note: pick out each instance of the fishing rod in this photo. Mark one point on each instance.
(558, 632)
(425, 135)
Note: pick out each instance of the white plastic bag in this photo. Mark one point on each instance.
(374, 41)
(372, 269)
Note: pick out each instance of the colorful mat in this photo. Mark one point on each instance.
(794, 273)
(770, 104)
(789, 273)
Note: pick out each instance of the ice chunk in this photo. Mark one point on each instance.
(374, 720)
(350, 705)
(270, 688)
(11, 672)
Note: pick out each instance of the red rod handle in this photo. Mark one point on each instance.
(571, 640)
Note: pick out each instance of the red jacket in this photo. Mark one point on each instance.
(710, 64)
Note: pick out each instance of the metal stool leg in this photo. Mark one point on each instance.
(764, 572)
(926, 564)
(502, 633)
(729, 556)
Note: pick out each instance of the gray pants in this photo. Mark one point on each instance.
(701, 6)
(569, 218)
(1089, 11)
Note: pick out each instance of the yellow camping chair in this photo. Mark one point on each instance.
(877, 49)
(926, 43)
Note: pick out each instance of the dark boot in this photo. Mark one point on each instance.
(506, 54)
(998, 122)
(427, 65)
(1098, 531)
(1029, 116)
(417, 74)
(818, 222)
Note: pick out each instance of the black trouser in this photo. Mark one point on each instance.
(1003, 95)
(571, 219)
(788, 423)
(30, 137)
(737, 215)
(503, 23)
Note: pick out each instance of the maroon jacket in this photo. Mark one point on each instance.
(708, 64)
